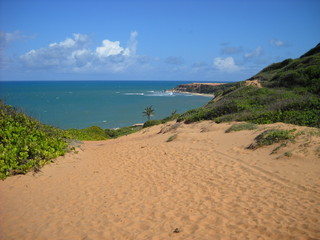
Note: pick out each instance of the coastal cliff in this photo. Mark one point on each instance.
(286, 91)
(213, 89)
(202, 88)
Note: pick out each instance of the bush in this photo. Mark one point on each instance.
(115, 133)
(87, 134)
(150, 123)
(26, 143)
(276, 66)
(270, 137)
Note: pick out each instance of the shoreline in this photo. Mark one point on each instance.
(195, 88)
(191, 93)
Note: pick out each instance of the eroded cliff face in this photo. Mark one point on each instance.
(205, 88)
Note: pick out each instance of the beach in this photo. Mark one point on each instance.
(196, 89)
(171, 181)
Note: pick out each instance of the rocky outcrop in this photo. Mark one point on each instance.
(202, 88)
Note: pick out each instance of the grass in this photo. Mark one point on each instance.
(173, 137)
(288, 154)
(242, 126)
(270, 137)
(284, 144)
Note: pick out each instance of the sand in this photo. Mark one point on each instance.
(204, 184)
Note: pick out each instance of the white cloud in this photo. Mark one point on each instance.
(132, 44)
(73, 55)
(255, 53)
(276, 42)
(226, 65)
(109, 48)
(7, 37)
(80, 40)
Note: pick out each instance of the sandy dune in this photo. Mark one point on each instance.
(204, 184)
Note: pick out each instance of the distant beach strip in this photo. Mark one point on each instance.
(199, 89)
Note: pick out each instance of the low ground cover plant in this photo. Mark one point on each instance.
(25, 143)
(271, 136)
(242, 126)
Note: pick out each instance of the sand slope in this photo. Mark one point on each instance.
(202, 185)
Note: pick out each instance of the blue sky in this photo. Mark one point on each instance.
(197, 40)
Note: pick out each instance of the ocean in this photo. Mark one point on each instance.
(107, 104)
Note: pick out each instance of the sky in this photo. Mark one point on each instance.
(188, 40)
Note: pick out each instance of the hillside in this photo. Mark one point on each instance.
(202, 88)
(286, 92)
(303, 72)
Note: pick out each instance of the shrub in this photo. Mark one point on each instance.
(115, 133)
(150, 123)
(270, 137)
(26, 143)
(90, 133)
(174, 116)
(276, 66)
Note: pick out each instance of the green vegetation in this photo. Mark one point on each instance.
(95, 133)
(173, 137)
(290, 94)
(148, 112)
(302, 73)
(90, 133)
(242, 126)
(25, 143)
(272, 136)
(114, 133)
(288, 154)
(150, 123)
(205, 89)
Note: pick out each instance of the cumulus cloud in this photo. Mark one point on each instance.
(74, 55)
(225, 64)
(276, 42)
(109, 48)
(255, 53)
(58, 55)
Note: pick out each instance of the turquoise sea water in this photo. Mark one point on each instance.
(108, 104)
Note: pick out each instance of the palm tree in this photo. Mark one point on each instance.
(148, 112)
